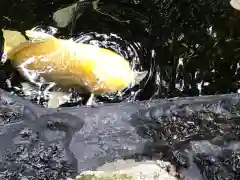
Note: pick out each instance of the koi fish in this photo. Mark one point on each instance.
(69, 64)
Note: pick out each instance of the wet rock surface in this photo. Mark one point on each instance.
(27, 154)
(45, 144)
(199, 136)
(204, 133)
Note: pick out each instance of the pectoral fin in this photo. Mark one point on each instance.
(139, 76)
(38, 37)
(90, 100)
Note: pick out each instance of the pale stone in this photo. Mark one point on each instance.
(235, 4)
(145, 170)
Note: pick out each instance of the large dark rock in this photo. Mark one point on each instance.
(200, 136)
(38, 143)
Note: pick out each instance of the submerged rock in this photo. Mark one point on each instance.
(63, 17)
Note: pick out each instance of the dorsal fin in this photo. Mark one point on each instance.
(38, 37)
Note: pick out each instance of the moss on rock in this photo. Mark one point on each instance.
(104, 176)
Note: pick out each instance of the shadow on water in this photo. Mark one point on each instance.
(190, 48)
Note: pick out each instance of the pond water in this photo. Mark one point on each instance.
(189, 47)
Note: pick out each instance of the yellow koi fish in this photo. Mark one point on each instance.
(68, 64)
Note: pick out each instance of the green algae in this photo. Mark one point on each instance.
(115, 176)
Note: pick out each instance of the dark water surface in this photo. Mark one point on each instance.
(189, 47)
